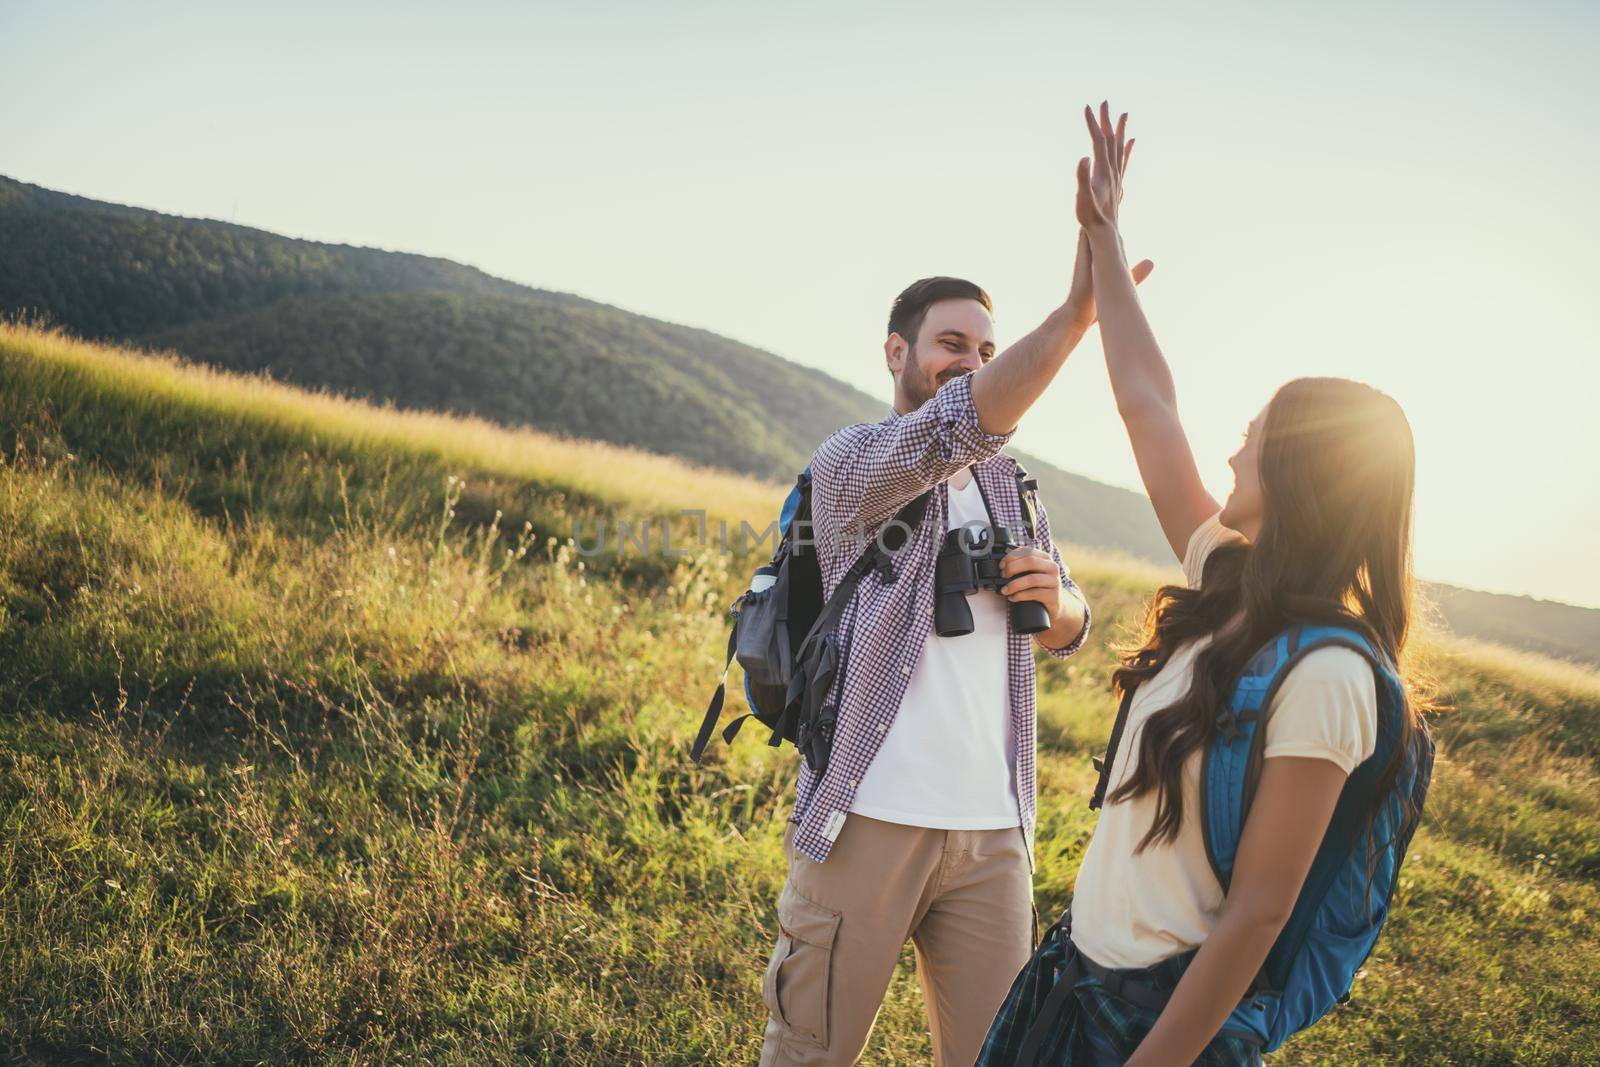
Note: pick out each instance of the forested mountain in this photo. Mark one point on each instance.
(1547, 626)
(423, 332)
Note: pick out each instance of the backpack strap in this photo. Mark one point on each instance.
(809, 685)
(799, 495)
(1026, 487)
(1103, 764)
(1224, 767)
(714, 710)
(875, 556)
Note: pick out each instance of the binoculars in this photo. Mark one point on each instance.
(969, 560)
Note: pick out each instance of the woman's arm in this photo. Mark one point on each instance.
(1291, 811)
(1140, 378)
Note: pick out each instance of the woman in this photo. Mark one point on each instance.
(1317, 529)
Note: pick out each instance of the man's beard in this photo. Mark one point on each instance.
(924, 386)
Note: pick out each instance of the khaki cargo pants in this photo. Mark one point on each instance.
(965, 897)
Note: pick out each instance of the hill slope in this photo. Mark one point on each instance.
(311, 751)
(1546, 626)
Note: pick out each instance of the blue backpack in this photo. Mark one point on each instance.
(1338, 915)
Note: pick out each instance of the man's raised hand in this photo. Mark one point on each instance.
(1081, 296)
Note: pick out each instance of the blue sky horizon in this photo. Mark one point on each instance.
(1396, 195)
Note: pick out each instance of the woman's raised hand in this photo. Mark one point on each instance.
(1100, 178)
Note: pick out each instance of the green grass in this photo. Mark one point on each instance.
(306, 757)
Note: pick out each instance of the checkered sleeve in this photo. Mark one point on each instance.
(862, 475)
(1043, 520)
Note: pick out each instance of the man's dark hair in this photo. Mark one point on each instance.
(911, 306)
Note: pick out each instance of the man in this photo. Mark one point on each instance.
(921, 827)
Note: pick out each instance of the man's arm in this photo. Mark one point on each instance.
(1008, 385)
(862, 475)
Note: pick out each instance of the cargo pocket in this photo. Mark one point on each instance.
(799, 976)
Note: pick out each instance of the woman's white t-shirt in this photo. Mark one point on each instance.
(949, 759)
(1133, 910)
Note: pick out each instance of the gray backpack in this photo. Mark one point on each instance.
(786, 638)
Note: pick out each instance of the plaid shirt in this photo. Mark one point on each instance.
(860, 478)
(1090, 1006)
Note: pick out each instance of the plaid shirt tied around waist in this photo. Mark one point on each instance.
(1037, 1029)
(860, 478)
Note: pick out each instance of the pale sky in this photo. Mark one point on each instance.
(1399, 193)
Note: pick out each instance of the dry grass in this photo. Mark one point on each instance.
(306, 756)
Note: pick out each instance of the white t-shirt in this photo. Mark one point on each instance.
(948, 760)
(1133, 910)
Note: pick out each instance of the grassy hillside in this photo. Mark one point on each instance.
(321, 743)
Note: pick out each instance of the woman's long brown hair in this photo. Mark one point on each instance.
(1337, 468)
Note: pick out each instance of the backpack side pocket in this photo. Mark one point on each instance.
(762, 644)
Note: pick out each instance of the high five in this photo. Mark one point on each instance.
(1267, 767)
